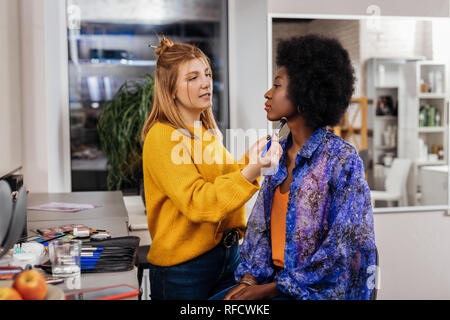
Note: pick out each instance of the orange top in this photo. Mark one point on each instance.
(278, 226)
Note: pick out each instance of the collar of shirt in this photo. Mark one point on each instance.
(309, 147)
(305, 152)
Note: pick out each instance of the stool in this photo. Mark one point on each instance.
(377, 275)
(141, 264)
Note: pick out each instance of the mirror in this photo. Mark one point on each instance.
(398, 118)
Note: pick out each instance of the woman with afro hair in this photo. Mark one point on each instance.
(310, 234)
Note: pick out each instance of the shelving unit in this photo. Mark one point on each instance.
(383, 80)
(414, 85)
(349, 129)
(422, 138)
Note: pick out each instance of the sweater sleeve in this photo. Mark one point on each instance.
(199, 200)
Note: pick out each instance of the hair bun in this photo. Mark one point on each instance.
(164, 44)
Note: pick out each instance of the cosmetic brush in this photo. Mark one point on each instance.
(276, 133)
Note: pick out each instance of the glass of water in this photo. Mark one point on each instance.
(65, 258)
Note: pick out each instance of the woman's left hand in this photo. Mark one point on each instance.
(257, 292)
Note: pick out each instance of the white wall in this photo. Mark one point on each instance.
(57, 87)
(413, 8)
(247, 34)
(414, 251)
(10, 88)
(46, 145)
(247, 63)
(396, 38)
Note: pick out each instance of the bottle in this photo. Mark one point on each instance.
(379, 111)
(422, 116)
(394, 137)
(387, 136)
(434, 149)
(432, 87)
(425, 152)
(441, 153)
(421, 148)
(381, 75)
(437, 119)
(438, 83)
(423, 86)
(431, 117)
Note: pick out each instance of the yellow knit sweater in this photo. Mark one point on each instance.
(190, 198)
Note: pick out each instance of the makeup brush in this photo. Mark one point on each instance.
(275, 133)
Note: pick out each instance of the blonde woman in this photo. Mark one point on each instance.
(195, 192)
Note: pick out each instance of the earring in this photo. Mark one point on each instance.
(298, 109)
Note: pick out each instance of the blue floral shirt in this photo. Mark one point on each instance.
(330, 241)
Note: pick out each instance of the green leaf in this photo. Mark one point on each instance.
(119, 128)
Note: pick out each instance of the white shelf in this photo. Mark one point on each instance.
(432, 96)
(115, 63)
(431, 129)
(430, 163)
(387, 87)
(386, 118)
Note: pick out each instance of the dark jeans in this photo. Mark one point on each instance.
(196, 279)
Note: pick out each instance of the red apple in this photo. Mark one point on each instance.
(7, 293)
(31, 285)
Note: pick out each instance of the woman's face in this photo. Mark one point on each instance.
(194, 85)
(278, 104)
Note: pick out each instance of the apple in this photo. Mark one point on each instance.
(31, 285)
(8, 293)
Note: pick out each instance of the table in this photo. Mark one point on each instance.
(111, 202)
(434, 182)
(112, 216)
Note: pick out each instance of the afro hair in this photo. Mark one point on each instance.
(321, 78)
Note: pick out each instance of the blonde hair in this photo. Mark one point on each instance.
(171, 56)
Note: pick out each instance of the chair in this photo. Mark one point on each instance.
(142, 264)
(375, 289)
(137, 225)
(395, 184)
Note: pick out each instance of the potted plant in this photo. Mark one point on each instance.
(119, 128)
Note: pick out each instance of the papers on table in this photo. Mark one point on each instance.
(63, 207)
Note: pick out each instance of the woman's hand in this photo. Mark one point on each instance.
(253, 170)
(235, 290)
(255, 292)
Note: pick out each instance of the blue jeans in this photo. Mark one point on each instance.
(196, 279)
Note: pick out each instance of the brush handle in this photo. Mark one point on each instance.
(266, 148)
(276, 133)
